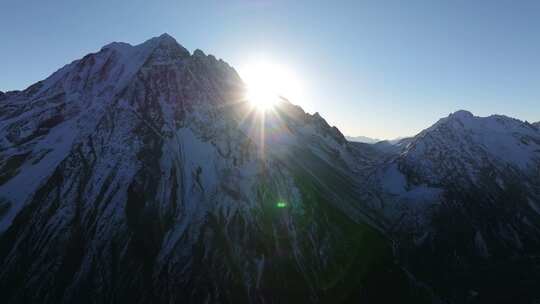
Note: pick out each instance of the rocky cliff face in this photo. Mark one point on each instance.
(139, 173)
(466, 204)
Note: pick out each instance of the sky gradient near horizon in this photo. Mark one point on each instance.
(375, 68)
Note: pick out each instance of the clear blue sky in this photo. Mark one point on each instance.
(374, 68)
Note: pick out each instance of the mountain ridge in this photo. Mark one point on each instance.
(147, 179)
(363, 139)
(469, 185)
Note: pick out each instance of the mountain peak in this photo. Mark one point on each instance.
(166, 36)
(460, 119)
(144, 154)
(166, 39)
(199, 53)
(472, 139)
(116, 45)
(461, 114)
(163, 40)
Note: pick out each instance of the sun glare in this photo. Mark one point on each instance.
(267, 82)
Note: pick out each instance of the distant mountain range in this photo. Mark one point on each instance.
(139, 174)
(364, 139)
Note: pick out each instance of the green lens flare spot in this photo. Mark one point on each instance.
(281, 205)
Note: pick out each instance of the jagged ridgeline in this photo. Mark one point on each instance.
(138, 174)
(141, 174)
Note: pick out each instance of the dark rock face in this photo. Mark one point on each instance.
(134, 174)
(477, 240)
(139, 173)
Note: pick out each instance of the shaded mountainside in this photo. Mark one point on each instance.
(139, 174)
(467, 194)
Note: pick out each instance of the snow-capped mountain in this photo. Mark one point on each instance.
(392, 146)
(363, 139)
(466, 203)
(139, 173)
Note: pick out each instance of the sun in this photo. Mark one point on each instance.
(267, 82)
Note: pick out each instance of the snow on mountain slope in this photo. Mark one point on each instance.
(363, 139)
(462, 198)
(473, 140)
(392, 146)
(465, 152)
(461, 147)
(67, 105)
(138, 173)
